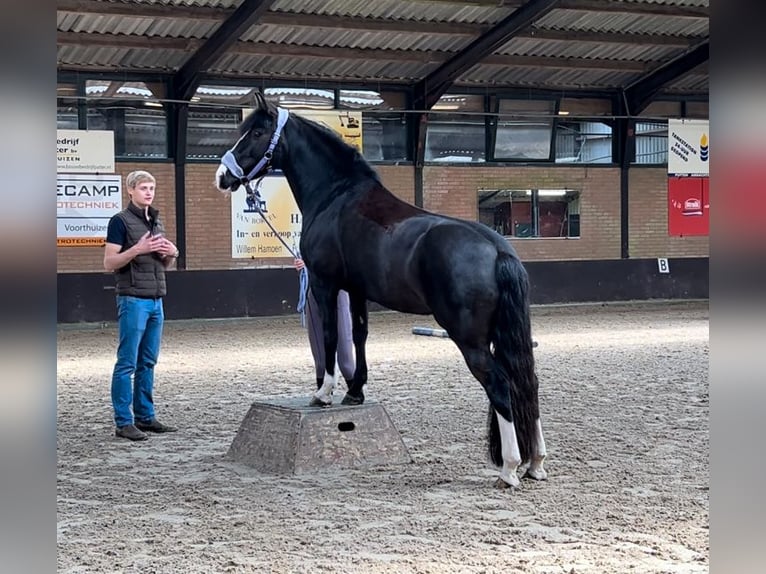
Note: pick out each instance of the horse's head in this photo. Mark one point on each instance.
(251, 156)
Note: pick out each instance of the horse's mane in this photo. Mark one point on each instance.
(345, 156)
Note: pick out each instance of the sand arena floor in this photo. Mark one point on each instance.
(624, 400)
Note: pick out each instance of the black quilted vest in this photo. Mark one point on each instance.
(144, 276)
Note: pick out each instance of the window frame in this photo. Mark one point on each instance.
(495, 121)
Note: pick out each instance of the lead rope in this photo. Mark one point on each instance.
(304, 274)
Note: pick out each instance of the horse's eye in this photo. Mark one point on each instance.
(257, 134)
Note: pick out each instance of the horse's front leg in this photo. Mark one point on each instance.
(327, 302)
(359, 329)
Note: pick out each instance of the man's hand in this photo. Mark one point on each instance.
(167, 249)
(298, 264)
(149, 244)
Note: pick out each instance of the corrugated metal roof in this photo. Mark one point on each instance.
(135, 26)
(398, 10)
(589, 50)
(92, 37)
(562, 19)
(305, 36)
(283, 67)
(571, 79)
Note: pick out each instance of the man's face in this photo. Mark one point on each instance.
(143, 194)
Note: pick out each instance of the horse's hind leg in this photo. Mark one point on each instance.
(510, 452)
(502, 429)
(536, 469)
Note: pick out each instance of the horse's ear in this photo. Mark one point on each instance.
(259, 100)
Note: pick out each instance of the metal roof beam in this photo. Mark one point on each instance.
(428, 90)
(188, 77)
(640, 93)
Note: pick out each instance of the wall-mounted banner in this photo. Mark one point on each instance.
(346, 123)
(84, 205)
(251, 236)
(688, 147)
(688, 206)
(85, 151)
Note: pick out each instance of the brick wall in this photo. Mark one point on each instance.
(648, 219)
(453, 191)
(450, 190)
(87, 259)
(208, 217)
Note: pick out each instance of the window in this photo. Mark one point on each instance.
(211, 132)
(139, 132)
(456, 130)
(66, 114)
(583, 142)
(384, 130)
(651, 143)
(531, 212)
(523, 130)
(307, 98)
(66, 117)
(133, 112)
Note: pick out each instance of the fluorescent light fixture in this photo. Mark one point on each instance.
(563, 113)
(551, 192)
(153, 104)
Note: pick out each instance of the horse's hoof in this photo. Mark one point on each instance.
(536, 474)
(315, 402)
(351, 400)
(500, 484)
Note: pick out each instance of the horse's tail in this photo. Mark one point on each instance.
(514, 359)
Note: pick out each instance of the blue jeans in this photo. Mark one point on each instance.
(140, 327)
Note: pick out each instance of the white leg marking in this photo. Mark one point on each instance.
(536, 469)
(324, 393)
(510, 452)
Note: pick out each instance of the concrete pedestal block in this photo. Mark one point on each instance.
(286, 436)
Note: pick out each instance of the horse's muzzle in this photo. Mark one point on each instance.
(224, 180)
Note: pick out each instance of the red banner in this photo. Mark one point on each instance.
(688, 206)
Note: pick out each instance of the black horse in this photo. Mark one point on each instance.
(359, 237)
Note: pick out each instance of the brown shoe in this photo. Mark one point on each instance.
(155, 426)
(130, 432)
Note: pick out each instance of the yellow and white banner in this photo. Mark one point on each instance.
(85, 151)
(688, 147)
(84, 205)
(251, 237)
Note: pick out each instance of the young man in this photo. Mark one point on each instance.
(138, 253)
(346, 360)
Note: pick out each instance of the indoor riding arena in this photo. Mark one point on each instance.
(575, 130)
(624, 401)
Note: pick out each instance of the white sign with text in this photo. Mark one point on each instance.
(688, 147)
(84, 205)
(84, 151)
